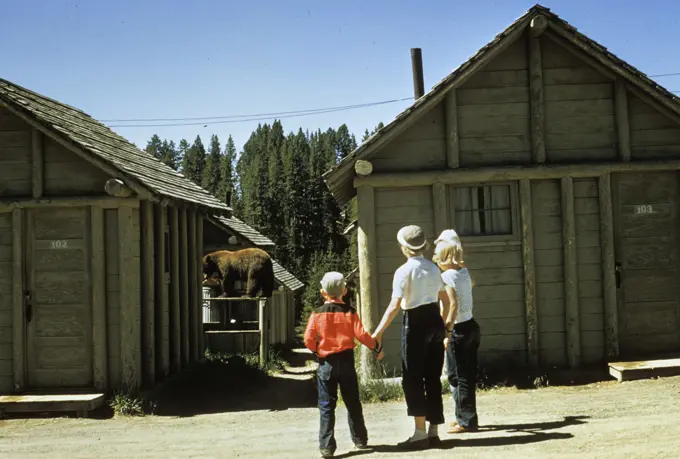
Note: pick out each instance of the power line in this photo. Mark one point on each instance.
(664, 75)
(252, 117)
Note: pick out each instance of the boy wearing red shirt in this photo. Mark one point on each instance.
(330, 334)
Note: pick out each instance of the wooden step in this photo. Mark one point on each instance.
(45, 403)
(627, 371)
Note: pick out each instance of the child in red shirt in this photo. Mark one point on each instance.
(330, 334)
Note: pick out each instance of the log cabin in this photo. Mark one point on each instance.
(557, 162)
(100, 250)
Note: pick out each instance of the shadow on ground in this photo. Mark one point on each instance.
(534, 432)
(234, 385)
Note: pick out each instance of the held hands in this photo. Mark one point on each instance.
(381, 355)
(446, 343)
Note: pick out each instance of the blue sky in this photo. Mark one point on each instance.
(122, 59)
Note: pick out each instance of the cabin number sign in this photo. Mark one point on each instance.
(59, 244)
(644, 209)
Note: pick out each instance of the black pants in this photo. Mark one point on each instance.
(422, 360)
(461, 369)
(338, 369)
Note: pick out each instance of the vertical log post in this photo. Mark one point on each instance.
(18, 299)
(184, 284)
(176, 299)
(367, 246)
(531, 313)
(440, 207)
(38, 162)
(149, 293)
(199, 284)
(570, 274)
(451, 117)
(193, 287)
(99, 332)
(622, 123)
(263, 321)
(130, 314)
(537, 27)
(611, 322)
(162, 298)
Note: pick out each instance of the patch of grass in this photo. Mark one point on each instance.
(249, 362)
(126, 403)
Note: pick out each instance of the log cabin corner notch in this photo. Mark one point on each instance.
(545, 127)
(82, 214)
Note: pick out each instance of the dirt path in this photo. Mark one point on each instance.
(607, 420)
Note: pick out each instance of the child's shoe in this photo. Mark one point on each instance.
(327, 453)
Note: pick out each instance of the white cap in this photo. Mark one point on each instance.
(412, 237)
(448, 235)
(333, 283)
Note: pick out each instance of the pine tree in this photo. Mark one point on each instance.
(211, 173)
(182, 155)
(194, 161)
(346, 143)
(154, 146)
(368, 134)
(169, 154)
(275, 193)
(227, 185)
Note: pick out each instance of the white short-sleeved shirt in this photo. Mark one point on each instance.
(461, 282)
(417, 282)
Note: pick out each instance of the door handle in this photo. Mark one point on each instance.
(617, 274)
(28, 306)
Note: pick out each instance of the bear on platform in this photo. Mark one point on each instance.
(253, 266)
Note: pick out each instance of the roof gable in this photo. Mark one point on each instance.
(100, 145)
(340, 178)
(233, 224)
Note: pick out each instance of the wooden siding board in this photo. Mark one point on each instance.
(427, 137)
(66, 174)
(652, 133)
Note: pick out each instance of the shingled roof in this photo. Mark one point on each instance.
(340, 178)
(100, 145)
(286, 278)
(248, 232)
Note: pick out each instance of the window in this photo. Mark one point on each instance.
(483, 210)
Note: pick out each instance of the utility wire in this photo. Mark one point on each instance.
(228, 119)
(252, 117)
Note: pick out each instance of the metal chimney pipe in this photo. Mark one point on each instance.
(417, 64)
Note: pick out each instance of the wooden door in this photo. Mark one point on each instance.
(59, 327)
(646, 210)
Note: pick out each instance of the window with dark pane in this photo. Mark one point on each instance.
(483, 210)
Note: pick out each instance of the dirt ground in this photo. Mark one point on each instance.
(279, 419)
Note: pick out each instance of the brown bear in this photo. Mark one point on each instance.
(252, 265)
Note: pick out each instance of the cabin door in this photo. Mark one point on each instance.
(58, 311)
(648, 278)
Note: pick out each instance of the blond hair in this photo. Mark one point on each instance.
(448, 253)
(412, 253)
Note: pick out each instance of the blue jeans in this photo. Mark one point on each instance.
(338, 370)
(422, 360)
(461, 370)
